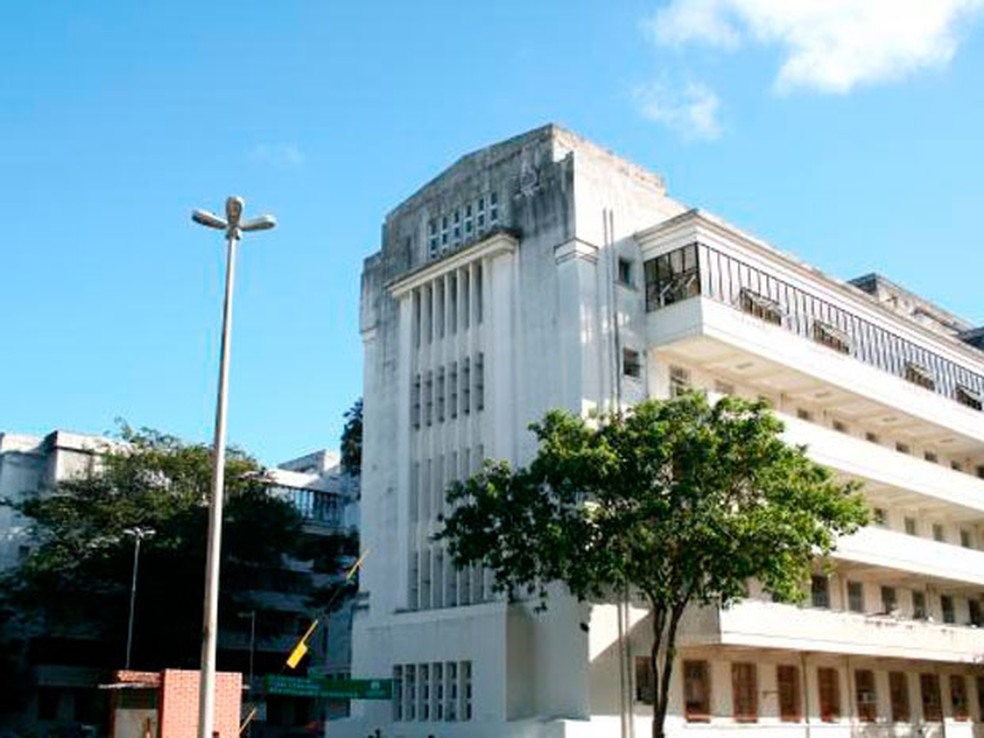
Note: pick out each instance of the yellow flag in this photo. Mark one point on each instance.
(297, 654)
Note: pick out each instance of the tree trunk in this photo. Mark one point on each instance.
(663, 650)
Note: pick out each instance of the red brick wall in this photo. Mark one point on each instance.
(179, 704)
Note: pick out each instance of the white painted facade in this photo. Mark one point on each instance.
(473, 328)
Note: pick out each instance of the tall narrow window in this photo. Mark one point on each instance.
(932, 702)
(466, 690)
(980, 695)
(440, 395)
(444, 233)
(451, 690)
(829, 688)
(429, 398)
(453, 390)
(465, 299)
(965, 540)
(946, 606)
(744, 692)
(631, 363)
(958, 697)
(938, 533)
(432, 239)
(898, 688)
(679, 381)
(889, 600)
(439, 310)
(645, 680)
(480, 215)
(788, 683)
(456, 232)
(437, 691)
(910, 526)
(820, 591)
(867, 699)
(416, 327)
(479, 301)
(480, 382)
(397, 702)
(415, 403)
(696, 691)
(452, 304)
(466, 386)
(855, 597)
(919, 605)
(413, 581)
(493, 208)
(423, 693)
(425, 590)
(410, 691)
(974, 608)
(469, 221)
(625, 277)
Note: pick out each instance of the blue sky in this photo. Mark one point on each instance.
(848, 132)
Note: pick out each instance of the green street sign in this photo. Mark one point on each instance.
(339, 689)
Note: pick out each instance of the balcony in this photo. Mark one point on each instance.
(908, 556)
(318, 509)
(760, 624)
(890, 476)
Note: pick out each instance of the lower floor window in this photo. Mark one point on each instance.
(829, 687)
(645, 680)
(436, 691)
(696, 691)
(744, 691)
(788, 683)
(932, 703)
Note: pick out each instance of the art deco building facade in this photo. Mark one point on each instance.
(545, 272)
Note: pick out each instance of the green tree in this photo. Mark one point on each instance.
(352, 440)
(75, 583)
(676, 502)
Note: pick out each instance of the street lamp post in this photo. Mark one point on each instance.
(234, 226)
(138, 534)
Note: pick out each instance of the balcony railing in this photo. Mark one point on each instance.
(699, 270)
(315, 506)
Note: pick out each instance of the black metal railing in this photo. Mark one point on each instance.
(697, 269)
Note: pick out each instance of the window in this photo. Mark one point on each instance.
(744, 692)
(956, 466)
(423, 694)
(432, 239)
(466, 386)
(919, 605)
(429, 398)
(457, 227)
(788, 682)
(879, 517)
(965, 540)
(453, 390)
(867, 699)
(760, 306)
(480, 215)
(831, 336)
(672, 277)
(958, 697)
(410, 691)
(480, 382)
(855, 597)
(902, 448)
(910, 526)
(820, 591)
(479, 300)
(974, 610)
(871, 437)
(932, 703)
(946, 606)
(679, 381)
(625, 276)
(920, 375)
(696, 691)
(829, 688)
(440, 395)
(804, 414)
(466, 690)
(898, 690)
(890, 602)
(980, 696)
(413, 577)
(437, 691)
(397, 693)
(931, 456)
(451, 692)
(452, 304)
(980, 472)
(631, 363)
(938, 534)
(415, 403)
(967, 396)
(493, 208)
(645, 681)
(840, 427)
(444, 233)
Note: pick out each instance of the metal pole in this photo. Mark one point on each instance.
(206, 691)
(133, 598)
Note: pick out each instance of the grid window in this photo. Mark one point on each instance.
(679, 381)
(451, 690)
(696, 691)
(437, 691)
(410, 692)
(432, 244)
(469, 221)
(466, 690)
(760, 306)
(444, 233)
(788, 683)
(820, 591)
(744, 692)
(867, 699)
(829, 688)
(397, 693)
(456, 231)
(831, 337)
(855, 596)
(493, 208)
(423, 693)
(898, 690)
(932, 702)
(480, 215)
(672, 277)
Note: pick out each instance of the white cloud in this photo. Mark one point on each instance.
(691, 110)
(278, 154)
(829, 45)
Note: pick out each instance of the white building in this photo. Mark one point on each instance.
(545, 272)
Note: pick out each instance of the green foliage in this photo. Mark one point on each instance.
(77, 578)
(676, 502)
(352, 439)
